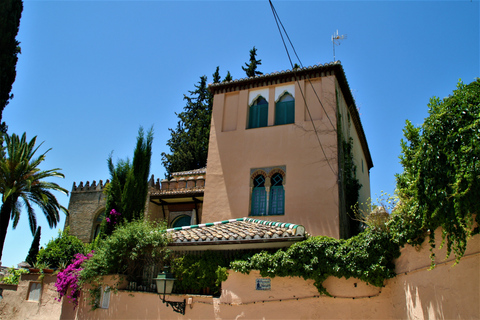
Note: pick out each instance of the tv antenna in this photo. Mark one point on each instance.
(336, 41)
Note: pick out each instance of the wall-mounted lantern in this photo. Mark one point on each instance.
(165, 282)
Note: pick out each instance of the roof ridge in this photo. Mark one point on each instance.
(246, 219)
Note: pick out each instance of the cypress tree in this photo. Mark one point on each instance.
(127, 191)
(31, 259)
(10, 14)
(251, 68)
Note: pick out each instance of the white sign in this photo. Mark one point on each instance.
(263, 284)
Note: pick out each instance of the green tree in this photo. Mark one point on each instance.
(228, 77)
(61, 250)
(189, 141)
(127, 191)
(10, 14)
(20, 178)
(440, 184)
(251, 68)
(34, 248)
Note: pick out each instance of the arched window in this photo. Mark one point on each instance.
(96, 224)
(277, 195)
(285, 109)
(259, 197)
(180, 221)
(258, 113)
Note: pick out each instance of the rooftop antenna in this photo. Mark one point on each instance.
(336, 41)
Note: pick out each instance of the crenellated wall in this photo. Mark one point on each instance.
(87, 202)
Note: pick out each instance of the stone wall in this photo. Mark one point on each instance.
(86, 203)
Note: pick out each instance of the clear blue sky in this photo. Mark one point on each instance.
(92, 72)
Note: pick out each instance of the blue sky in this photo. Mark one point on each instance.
(92, 72)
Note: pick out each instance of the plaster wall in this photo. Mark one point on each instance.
(447, 292)
(348, 131)
(15, 306)
(311, 189)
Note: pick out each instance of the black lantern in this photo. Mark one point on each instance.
(165, 282)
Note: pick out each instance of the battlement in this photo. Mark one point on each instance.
(89, 187)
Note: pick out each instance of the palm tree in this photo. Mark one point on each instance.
(20, 178)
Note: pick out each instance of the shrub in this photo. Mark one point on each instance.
(60, 250)
(13, 275)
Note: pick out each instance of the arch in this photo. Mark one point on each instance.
(97, 221)
(258, 113)
(181, 221)
(285, 109)
(258, 203)
(277, 195)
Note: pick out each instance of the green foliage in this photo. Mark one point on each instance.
(13, 276)
(440, 185)
(10, 14)
(251, 68)
(351, 184)
(61, 250)
(367, 256)
(21, 179)
(194, 272)
(228, 77)
(189, 141)
(34, 248)
(131, 246)
(127, 191)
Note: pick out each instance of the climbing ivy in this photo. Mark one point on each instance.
(367, 256)
(440, 184)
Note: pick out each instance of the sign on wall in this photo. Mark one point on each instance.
(263, 284)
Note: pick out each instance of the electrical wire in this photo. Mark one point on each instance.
(278, 22)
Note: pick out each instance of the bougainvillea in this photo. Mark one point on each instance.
(114, 215)
(69, 278)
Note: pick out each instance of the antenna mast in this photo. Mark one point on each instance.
(337, 38)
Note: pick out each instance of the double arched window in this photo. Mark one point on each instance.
(258, 113)
(285, 109)
(267, 193)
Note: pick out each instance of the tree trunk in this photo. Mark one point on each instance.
(5, 212)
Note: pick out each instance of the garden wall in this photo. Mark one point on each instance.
(445, 292)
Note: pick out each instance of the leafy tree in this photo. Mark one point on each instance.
(20, 178)
(440, 184)
(251, 68)
(189, 141)
(33, 252)
(228, 77)
(127, 191)
(10, 13)
(61, 250)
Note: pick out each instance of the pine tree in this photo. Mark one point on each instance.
(10, 14)
(34, 248)
(189, 141)
(251, 68)
(228, 77)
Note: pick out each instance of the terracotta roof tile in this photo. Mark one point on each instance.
(239, 230)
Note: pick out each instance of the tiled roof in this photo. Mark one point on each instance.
(190, 172)
(184, 191)
(241, 230)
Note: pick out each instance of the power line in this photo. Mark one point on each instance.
(278, 22)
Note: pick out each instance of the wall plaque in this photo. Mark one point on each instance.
(263, 284)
